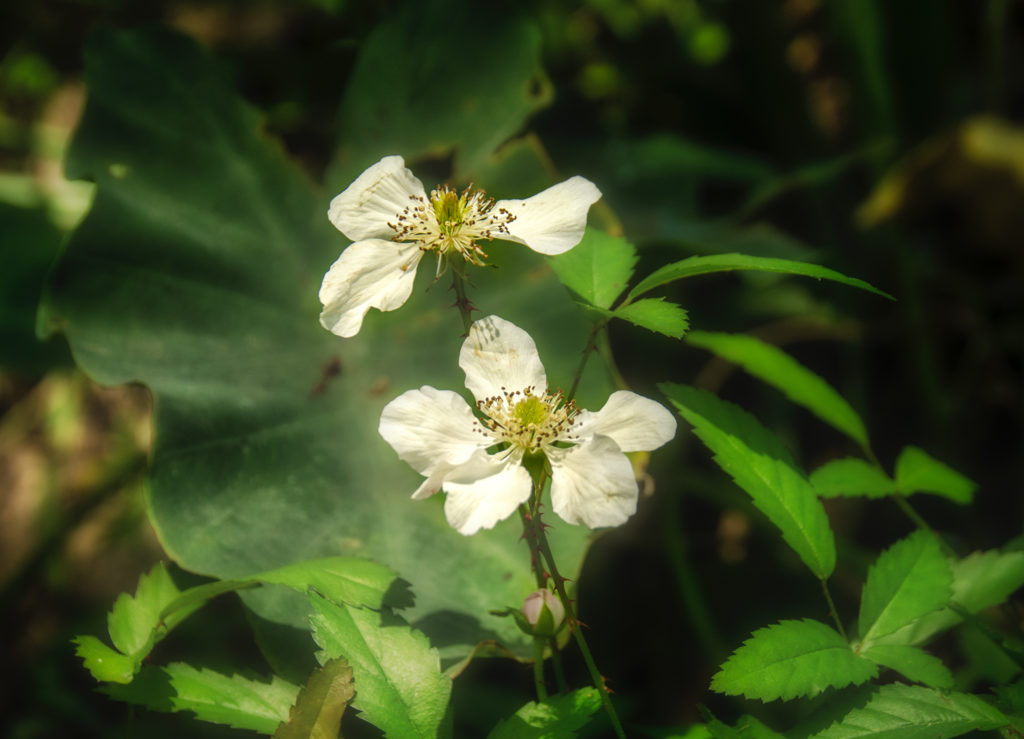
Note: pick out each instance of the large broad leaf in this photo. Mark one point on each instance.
(760, 465)
(399, 685)
(437, 76)
(729, 262)
(789, 660)
(910, 579)
(197, 272)
(910, 712)
(777, 368)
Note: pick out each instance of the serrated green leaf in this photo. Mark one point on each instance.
(910, 579)
(799, 384)
(598, 268)
(105, 664)
(980, 580)
(913, 712)
(762, 467)
(851, 477)
(917, 472)
(350, 580)
(701, 265)
(655, 314)
(747, 727)
(321, 702)
(133, 620)
(221, 699)
(913, 663)
(399, 685)
(792, 659)
(558, 717)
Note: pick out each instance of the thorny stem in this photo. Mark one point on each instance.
(590, 347)
(462, 301)
(832, 608)
(539, 543)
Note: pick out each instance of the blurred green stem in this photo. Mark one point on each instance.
(832, 608)
(538, 668)
(462, 300)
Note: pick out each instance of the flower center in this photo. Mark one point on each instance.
(450, 223)
(528, 421)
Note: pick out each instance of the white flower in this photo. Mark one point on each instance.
(393, 223)
(478, 458)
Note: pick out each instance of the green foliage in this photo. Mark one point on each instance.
(792, 659)
(910, 579)
(701, 265)
(558, 717)
(762, 467)
(320, 704)
(916, 471)
(980, 580)
(409, 95)
(911, 712)
(399, 685)
(911, 662)
(598, 268)
(851, 477)
(747, 727)
(222, 699)
(206, 247)
(778, 369)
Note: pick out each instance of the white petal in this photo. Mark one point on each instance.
(369, 274)
(483, 503)
(364, 208)
(593, 484)
(634, 422)
(552, 221)
(498, 354)
(432, 430)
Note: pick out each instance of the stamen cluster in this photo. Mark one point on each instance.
(527, 420)
(450, 223)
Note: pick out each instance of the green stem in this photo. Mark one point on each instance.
(538, 668)
(587, 350)
(576, 626)
(832, 608)
(462, 301)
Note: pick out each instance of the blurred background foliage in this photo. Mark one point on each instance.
(880, 139)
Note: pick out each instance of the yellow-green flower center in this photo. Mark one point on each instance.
(528, 421)
(450, 223)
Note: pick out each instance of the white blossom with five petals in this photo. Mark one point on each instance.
(478, 458)
(393, 223)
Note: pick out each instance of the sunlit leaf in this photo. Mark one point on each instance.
(778, 369)
(598, 268)
(851, 477)
(321, 702)
(656, 314)
(399, 685)
(910, 579)
(916, 471)
(558, 717)
(102, 662)
(221, 699)
(913, 712)
(792, 659)
(132, 620)
(728, 262)
(759, 464)
(913, 663)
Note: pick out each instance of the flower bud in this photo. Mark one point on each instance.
(544, 612)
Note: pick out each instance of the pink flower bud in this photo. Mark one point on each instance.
(544, 612)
